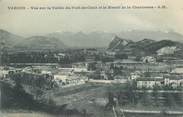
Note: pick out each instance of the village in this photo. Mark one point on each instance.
(145, 73)
(89, 79)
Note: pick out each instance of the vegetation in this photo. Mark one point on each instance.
(16, 98)
(34, 80)
(128, 95)
(160, 44)
(121, 56)
(41, 57)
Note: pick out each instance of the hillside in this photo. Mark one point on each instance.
(87, 40)
(14, 97)
(8, 39)
(83, 40)
(42, 43)
(142, 47)
(119, 43)
(102, 39)
(137, 35)
(152, 48)
(15, 42)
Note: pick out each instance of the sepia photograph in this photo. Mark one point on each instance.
(91, 58)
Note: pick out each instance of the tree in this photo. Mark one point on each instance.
(92, 66)
(144, 97)
(155, 95)
(111, 101)
(121, 56)
(131, 94)
(138, 58)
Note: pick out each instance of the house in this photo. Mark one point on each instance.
(90, 58)
(120, 79)
(80, 67)
(69, 80)
(46, 72)
(91, 51)
(135, 75)
(132, 57)
(149, 59)
(173, 81)
(103, 75)
(60, 56)
(3, 73)
(167, 50)
(60, 79)
(177, 71)
(149, 82)
(110, 54)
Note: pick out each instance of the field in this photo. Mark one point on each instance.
(91, 99)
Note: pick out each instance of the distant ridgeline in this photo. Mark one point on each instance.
(52, 48)
(146, 47)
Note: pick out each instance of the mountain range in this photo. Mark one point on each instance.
(15, 42)
(9, 39)
(42, 43)
(62, 40)
(102, 39)
(142, 47)
(137, 35)
(84, 40)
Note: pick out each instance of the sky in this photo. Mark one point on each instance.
(31, 22)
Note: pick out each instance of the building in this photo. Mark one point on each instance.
(170, 81)
(60, 56)
(149, 59)
(149, 82)
(80, 67)
(69, 80)
(135, 75)
(177, 71)
(174, 81)
(103, 75)
(3, 73)
(167, 50)
(110, 54)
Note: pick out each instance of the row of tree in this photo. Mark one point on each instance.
(40, 57)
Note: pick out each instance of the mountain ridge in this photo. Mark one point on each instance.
(93, 39)
(12, 41)
(142, 47)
